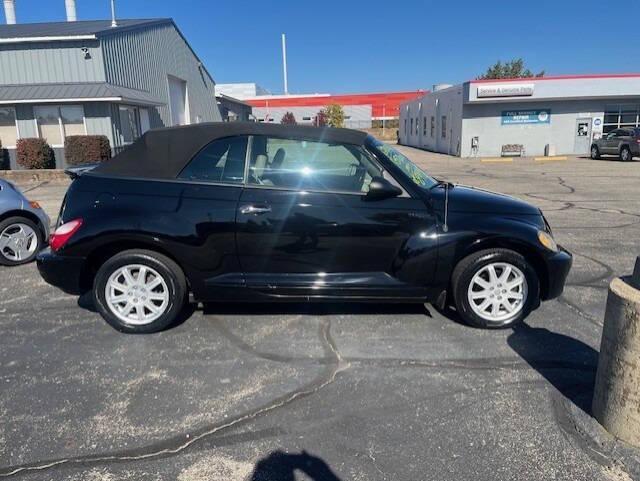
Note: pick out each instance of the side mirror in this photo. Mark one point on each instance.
(380, 188)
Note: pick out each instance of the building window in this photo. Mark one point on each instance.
(433, 126)
(405, 126)
(417, 125)
(129, 123)
(620, 116)
(424, 126)
(306, 118)
(8, 127)
(57, 122)
(444, 126)
(411, 127)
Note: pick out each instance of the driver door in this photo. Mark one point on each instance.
(305, 226)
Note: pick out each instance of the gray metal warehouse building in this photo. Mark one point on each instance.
(537, 116)
(89, 77)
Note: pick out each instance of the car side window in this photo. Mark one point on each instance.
(310, 165)
(222, 161)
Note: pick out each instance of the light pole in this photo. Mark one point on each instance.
(284, 64)
(114, 23)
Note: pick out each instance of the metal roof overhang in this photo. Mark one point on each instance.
(73, 93)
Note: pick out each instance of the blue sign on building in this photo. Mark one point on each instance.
(511, 117)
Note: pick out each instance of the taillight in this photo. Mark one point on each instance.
(63, 233)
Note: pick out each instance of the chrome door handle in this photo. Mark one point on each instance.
(254, 209)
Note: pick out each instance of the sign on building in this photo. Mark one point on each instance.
(512, 117)
(507, 90)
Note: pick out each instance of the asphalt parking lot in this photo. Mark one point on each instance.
(348, 392)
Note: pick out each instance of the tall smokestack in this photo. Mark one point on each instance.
(10, 11)
(70, 5)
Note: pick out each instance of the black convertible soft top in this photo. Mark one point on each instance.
(163, 153)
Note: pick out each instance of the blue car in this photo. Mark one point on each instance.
(24, 226)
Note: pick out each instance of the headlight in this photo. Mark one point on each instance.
(547, 241)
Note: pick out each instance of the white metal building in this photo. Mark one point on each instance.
(241, 91)
(538, 116)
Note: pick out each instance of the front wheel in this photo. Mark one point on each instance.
(495, 288)
(139, 291)
(595, 152)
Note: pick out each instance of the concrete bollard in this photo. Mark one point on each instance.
(616, 399)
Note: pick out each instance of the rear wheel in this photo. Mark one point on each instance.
(494, 288)
(20, 241)
(625, 154)
(595, 152)
(139, 291)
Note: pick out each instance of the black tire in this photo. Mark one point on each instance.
(170, 272)
(625, 154)
(467, 268)
(4, 259)
(595, 152)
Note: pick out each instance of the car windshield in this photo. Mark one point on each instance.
(411, 170)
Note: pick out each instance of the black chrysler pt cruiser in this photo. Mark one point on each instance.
(257, 212)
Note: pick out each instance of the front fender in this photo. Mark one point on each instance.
(469, 233)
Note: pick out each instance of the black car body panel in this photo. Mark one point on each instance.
(260, 242)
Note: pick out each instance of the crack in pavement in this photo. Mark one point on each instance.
(179, 444)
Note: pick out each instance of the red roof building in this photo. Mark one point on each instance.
(383, 105)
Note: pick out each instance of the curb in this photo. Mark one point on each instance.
(554, 158)
(497, 159)
(35, 175)
(595, 441)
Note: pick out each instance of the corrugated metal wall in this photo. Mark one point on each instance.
(51, 63)
(142, 59)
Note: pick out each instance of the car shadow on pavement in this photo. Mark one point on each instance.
(567, 363)
(281, 466)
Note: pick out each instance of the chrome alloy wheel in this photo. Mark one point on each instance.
(18, 242)
(137, 294)
(498, 293)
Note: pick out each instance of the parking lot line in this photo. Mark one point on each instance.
(497, 159)
(551, 159)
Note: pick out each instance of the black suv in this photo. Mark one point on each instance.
(257, 212)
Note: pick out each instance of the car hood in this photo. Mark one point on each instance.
(471, 200)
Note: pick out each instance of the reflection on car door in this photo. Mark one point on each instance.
(306, 228)
(611, 142)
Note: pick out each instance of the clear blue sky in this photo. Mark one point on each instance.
(369, 45)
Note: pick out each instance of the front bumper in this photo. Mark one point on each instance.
(558, 267)
(65, 273)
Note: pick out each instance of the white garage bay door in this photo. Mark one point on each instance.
(179, 104)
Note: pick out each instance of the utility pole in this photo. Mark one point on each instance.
(284, 64)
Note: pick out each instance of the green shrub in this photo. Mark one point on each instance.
(86, 149)
(4, 158)
(288, 119)
(35, 154)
